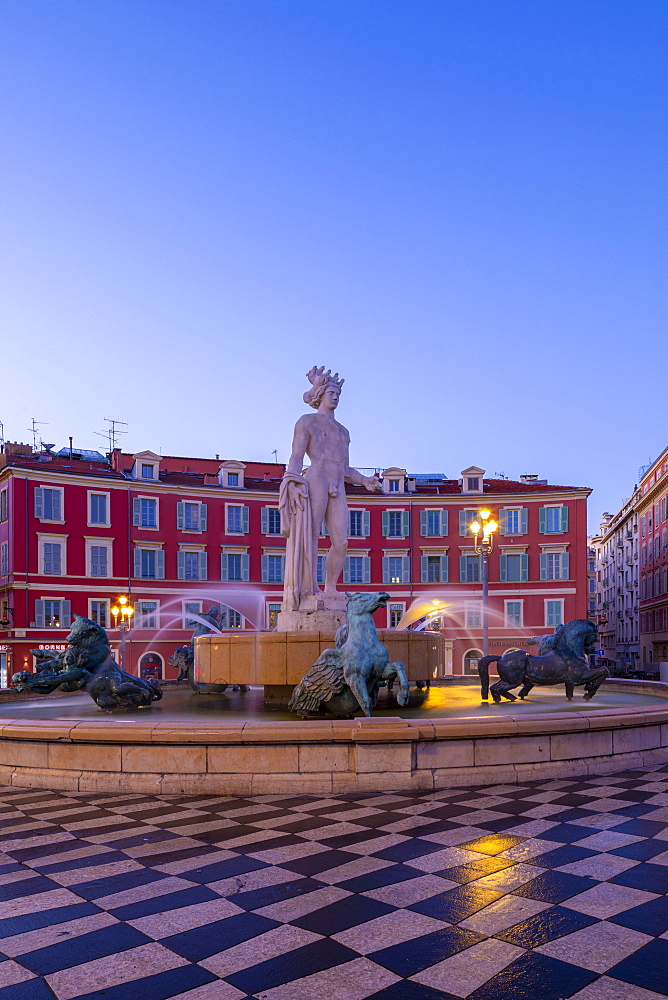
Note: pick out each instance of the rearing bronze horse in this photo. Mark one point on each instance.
(561, 659)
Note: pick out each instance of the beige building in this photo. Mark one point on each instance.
(616, 554)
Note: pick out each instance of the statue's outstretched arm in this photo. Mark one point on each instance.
(354, 476)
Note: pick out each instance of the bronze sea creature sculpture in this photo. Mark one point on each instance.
(561, 659)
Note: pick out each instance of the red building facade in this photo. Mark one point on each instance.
(178, 534)
(651, 508)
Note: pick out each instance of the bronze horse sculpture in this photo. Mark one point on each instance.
(561, 659)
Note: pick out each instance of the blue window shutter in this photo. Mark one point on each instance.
(350, 524)
(423, 523)
(282, 568)
(406, 523)
(159, 564)
(39, 614)
(136, 512)
(543, 566)
(406, 569)
(264, 517)
(57, 558)
(564, 518)
(202, 517)
(462, 568)
(424, 563)
(181, 565)
(57, 497)
(565, 563)
(503, 523)
(524, 520)
(444, 522)
(366, 520)
(542, 514)
(386, 523)
(386, 569)
(202, 566)
(444, 569)
(180, 515)
(524, 567)
(346, 570)
(503, 567)
(245, 569)
(463, 523)
(223, 566)
(244, 520)
(324, 533)
(137, 568)
(66, 613)
(39, 510)
(366, 569)
(265, 569)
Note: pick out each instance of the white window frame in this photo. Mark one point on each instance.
(100, 600)
(139, 614)
(103, 543)
(553, 600)
(473, 609)
(142, 546)
(199, 530)
(184, 613)
(366, 522)
(233, 628)
(506, 623)
(156, 501)
(194, 550)
(227, 523)
(272, 605)
(147, 465)
(392, 605)
(55, 489)
(265, 521)
(4, 559)
(56, 600)
(98, 524)
(42, 540)
(4, 504)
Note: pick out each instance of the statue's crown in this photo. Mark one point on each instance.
(318, 377)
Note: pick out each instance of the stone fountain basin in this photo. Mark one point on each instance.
(420, 749)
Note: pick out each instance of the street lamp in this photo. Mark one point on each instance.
(483, 533)
(122, 612)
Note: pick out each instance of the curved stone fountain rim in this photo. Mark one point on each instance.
(323, 756)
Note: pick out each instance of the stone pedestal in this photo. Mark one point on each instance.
(316, 614)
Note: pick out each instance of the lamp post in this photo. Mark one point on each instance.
(483, 533)
(122, 612)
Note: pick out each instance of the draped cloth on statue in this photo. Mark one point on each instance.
(294, 504)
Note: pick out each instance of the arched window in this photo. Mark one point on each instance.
(151, 665)
(470, 662)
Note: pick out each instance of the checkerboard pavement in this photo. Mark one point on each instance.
(538, 891)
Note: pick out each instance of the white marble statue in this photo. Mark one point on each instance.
(316, 494)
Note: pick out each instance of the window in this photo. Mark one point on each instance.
(191, 608)
(469, 569)
(395, 523)
(473, 616)
(97, 508)
(393, 486)
(147, 471)
(237, 520)
(234, 566)
(357, 569)
(4, 559)
(434, 569)
(358, 523)
(396, 613)
(396, 569)
(554, 566)
(320, 572)
(513, 614)
(4, 509)
(147, 614)
(145, 512)
(273, 611)
(149, 564)
(52, 614)
(51, 558)
(99, 613)
(191, 565)
(513, 521)
(98, 564)
(231, 618)
(554, 613)
(272, 568)
(470, 662)
(190, 516)
(48, 504)
(466, 517)
(433, 523)
(472, 483)
(232, 478)
(553, 520)
(271, 521)
(513, 567)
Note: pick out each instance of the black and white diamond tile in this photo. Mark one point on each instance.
(547, 890)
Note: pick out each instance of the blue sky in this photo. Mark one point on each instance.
(460, 205)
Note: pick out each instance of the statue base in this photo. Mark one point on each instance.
(315, 614)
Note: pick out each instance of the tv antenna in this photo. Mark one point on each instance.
(275, 454)
(33, 430)
(112, 433)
